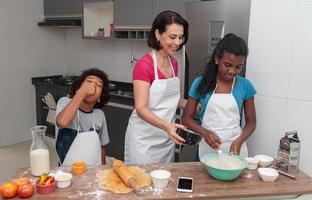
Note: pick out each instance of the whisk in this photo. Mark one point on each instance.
(226, 161)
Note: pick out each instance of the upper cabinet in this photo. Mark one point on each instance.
(127, 19)
(174, 5)
(61, 8)
(134, 12)
(143, 12)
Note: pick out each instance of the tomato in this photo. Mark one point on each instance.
(22, 181)
(9, 189)
(25, 191)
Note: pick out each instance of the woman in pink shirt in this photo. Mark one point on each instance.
(151, 132)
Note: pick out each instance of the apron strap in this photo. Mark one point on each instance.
(155, 65)
(173, 74)
(231, 88)
(233, 84)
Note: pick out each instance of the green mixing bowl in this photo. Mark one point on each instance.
(223, 174)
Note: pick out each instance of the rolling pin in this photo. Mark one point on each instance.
(124, 173)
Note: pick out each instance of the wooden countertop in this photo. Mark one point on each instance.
(85, 186)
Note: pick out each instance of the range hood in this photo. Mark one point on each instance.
(61, 22)
(60, 13)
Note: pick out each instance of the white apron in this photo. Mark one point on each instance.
(85, 147)
(223, 118)
(145, 143)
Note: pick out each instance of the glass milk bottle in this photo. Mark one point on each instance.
(39, 152)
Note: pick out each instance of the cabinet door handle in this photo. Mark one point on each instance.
(119, 105)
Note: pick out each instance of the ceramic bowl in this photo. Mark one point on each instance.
(268, 174)
(45, 189)
(63, 180)
(252, 163)
(160, 178)
(264, 160)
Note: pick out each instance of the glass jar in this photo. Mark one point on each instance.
(39, 152)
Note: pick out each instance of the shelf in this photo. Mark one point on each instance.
(131, 34)
(97, 15)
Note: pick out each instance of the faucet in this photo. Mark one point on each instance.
(133, 58)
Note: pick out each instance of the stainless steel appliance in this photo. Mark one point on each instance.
(209, 21)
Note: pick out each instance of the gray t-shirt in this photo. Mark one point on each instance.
(85, 121)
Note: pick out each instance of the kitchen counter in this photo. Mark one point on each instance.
(85, 186)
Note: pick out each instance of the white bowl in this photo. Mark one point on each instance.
(160, 178)
(268, 174)
(63, 180)
(264, 160)
(252, 163)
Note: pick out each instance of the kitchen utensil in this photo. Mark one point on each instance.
(264, 160)
(160, 178)
(223, 173)
(268, 174)
(48, 99)
(289, 153)
(123, 172)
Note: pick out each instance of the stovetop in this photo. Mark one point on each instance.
(64, 80)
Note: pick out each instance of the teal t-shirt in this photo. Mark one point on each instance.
(243, 90)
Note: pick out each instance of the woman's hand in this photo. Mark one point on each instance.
(236, 146)
(212, 139)
(172, 132)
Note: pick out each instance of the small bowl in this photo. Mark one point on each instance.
(63, 180)
(252, 163)
(160, 178)
(78, 168)
(45, 189)
(268, 174)
(264, 160)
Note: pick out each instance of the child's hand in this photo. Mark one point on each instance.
(87, 88)
(212, 139)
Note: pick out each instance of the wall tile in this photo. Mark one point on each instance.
(298, 117)
(301, 71)
(5, 43)
(19, 39)
(269, 54)
(4, 10)
(270, 126)
(26, 51)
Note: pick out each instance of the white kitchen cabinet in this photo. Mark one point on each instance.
(97, 18)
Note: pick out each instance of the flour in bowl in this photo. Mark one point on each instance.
(226, 162)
